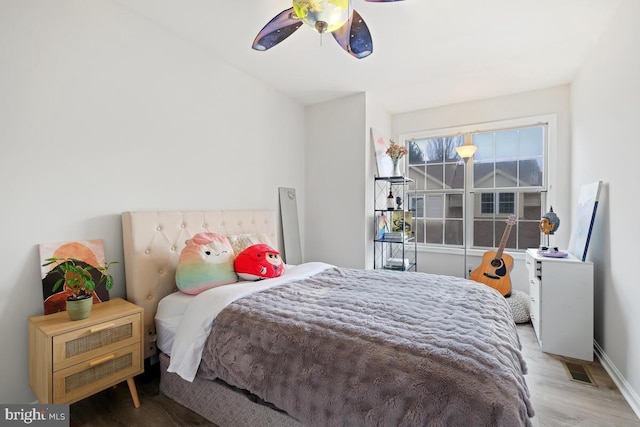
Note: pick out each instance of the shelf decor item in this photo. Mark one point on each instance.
(396, 168)
(381, 226)
(390, 201)
(72, 275)
(549, 224)
(401, 222)
(396, 152)
(399, 203)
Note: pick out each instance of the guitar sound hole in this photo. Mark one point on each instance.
(496, 263)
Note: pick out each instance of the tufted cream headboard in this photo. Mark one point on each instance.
(152, 243)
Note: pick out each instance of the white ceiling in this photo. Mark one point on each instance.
(426, 52)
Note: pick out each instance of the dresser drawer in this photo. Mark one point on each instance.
(534, 305)
(90, 342)
(75, 382)
(530, 264)
(534, 267)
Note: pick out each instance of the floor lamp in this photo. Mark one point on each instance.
(465, 152)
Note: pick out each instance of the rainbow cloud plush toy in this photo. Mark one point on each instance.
(205, 262)
(259, 262)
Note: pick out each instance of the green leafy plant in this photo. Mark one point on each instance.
(76, 275)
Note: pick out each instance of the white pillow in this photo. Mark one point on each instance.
(240, 242)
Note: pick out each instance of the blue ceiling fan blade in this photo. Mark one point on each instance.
(354, 37)
(279, 28)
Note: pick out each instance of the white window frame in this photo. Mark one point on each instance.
(550, 120)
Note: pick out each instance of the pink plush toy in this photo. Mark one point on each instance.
(259, 262)
(206, 262)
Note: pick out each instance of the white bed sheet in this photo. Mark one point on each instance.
(170, 311)
(169, 314)
(186, 322)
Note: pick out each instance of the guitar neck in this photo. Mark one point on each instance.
(503, 241)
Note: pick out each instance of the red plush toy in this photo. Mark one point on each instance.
(259, 262)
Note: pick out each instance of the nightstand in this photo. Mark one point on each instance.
(71, 360)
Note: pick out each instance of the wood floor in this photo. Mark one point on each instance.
(557, 399)
(560, 401)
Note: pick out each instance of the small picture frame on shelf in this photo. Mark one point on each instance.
(381, 226)
(401, 222)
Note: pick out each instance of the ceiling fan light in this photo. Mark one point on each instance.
(322, 15)
(321, 26)
(334, 16)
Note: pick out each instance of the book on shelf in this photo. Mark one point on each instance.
(397, 263)
(395, 236)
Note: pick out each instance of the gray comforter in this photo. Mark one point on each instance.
(375, 348)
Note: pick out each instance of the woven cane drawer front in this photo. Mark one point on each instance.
(95, 340)
(76, 382)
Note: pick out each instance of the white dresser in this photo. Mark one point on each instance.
(561, 291)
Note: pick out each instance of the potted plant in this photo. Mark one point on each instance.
(79, 283)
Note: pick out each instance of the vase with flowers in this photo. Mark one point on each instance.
(396, 151)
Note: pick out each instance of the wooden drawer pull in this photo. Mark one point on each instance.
(102, 327)
(101, 360)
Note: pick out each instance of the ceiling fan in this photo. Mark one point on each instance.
(333, 16)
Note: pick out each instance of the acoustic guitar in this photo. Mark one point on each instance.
(496, 265)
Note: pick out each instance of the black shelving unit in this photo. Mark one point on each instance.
(395, 248)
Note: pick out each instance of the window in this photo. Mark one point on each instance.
(434, 166)
(486, 203)
(507, 175)
(416, 205)
(505, 205)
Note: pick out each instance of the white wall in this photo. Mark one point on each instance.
(553, 101)
(605, 101)
(103, 112)
(335, 175)
(339, 171)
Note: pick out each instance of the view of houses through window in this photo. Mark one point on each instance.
(506, 176)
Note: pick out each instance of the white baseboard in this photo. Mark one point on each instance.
(625, 388)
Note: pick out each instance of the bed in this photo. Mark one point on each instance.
(322, 345)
